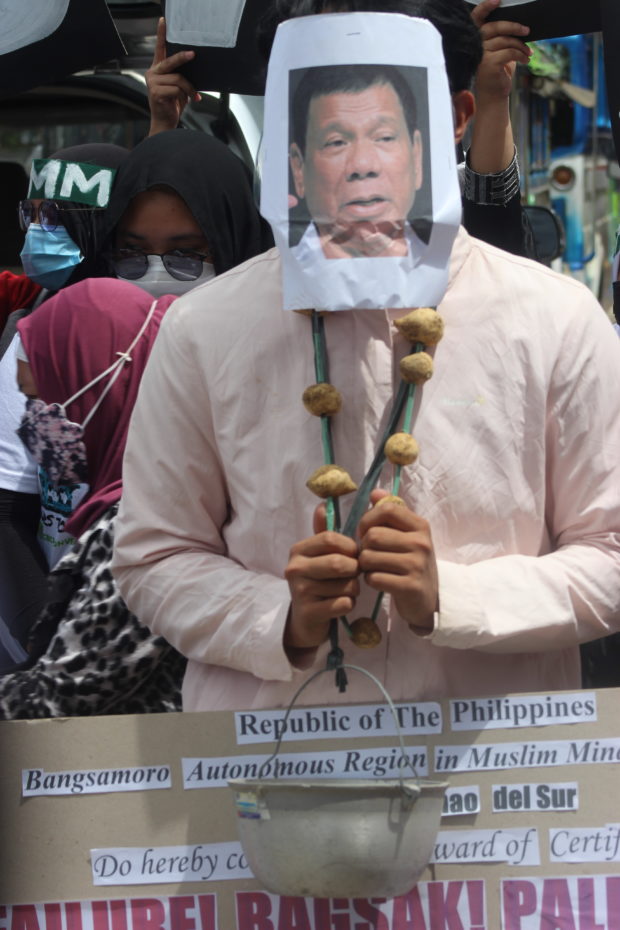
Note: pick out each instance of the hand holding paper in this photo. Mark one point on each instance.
(503, 44)
(169, 92)
(492, 144)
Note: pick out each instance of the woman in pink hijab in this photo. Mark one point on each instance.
(82, 357)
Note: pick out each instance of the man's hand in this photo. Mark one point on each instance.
(397, 557)
(492, 143)
(503, 47)
(169, 92)
(322, 577)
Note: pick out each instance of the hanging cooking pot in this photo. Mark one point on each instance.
(335, 838)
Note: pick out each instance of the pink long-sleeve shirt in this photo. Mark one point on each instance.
(518, 476)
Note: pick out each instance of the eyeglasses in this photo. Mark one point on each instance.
(182, 265)
(48, 213)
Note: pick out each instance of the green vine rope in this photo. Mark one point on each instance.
(321, 370)
(405, 397)
(407, 421)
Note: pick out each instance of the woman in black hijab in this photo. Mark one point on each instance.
(181, 211)
(87, 227)
(79, 219)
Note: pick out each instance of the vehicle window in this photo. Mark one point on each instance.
(38, 123)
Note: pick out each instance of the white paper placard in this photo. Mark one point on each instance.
(264, 726)
(575, 901)
(193, 22)
(544, 710)
(363, 164)
(204, 862)
(541, 796)
(42, 19)
(459, 801)
(585, 844)
(147, 912)
(527, 754)
(437, 905)
(38, 782)
(515, 847)
(347, 763)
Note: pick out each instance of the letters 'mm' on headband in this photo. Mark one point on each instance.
(54, 179)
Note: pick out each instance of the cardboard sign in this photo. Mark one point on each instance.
(45, 40)
(153, 849)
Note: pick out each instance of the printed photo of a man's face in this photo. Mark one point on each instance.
(359, 160)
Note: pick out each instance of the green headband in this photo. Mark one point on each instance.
(53, 179)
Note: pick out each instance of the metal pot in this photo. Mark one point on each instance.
(338, 838)
(330, 838)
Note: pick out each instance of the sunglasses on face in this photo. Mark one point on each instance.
(182, 265)
(47, 213)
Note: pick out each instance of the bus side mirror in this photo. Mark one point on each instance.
(544, 234)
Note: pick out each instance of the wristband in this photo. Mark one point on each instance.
(492, 189)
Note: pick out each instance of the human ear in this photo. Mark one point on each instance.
(297, 169)
(463, 107)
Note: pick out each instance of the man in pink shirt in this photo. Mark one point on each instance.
(506, 554)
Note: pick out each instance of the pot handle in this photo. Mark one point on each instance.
(410, 792)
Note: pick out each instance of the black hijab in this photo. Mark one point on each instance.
(86, 227)
(213, 182)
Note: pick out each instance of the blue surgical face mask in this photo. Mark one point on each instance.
(49, 257)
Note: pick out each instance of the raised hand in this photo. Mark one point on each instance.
(169, 92)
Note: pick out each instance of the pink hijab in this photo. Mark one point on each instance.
(69, 340)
